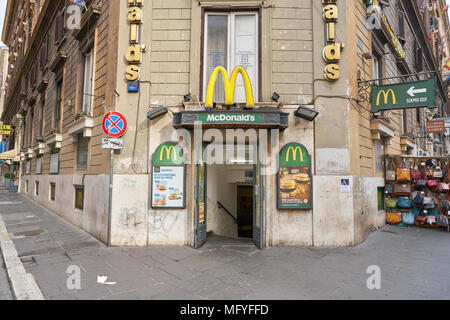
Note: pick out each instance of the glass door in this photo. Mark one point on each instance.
(258, 200)
(200, 198)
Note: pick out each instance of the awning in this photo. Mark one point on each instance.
(9, 155)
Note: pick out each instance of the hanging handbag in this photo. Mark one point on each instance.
(437, 173)
(402, 189)
(408, 218)
(418, 200)
(403, 173)
(431, 219)
(404, 202)
(431, 183)
(444, 186)
(391, 202)
(415, 173)
(389, 188)
(421, 220)
(428, 203)
(390, 172)
(393, 217)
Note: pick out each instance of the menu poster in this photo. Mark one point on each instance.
(295, 187)
(168, 187)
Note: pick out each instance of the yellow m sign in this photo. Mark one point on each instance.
(386, 96)
(229, 86)
(294, 153)
(168, 152)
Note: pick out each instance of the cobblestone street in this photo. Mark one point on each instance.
(412, 261)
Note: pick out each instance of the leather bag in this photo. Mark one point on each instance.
(402, 188)
(389, 188)
(390, 172)
(403, 174)
(431, 183)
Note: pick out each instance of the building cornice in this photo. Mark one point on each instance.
(47, 14)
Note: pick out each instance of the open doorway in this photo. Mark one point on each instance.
(229, 202)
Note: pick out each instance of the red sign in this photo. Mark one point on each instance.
(435, 126)
(114, 124)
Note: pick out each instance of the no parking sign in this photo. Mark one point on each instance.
(114, 124)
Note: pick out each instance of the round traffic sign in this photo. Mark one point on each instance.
(114, 124)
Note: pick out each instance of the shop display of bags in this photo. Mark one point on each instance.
(420, 194)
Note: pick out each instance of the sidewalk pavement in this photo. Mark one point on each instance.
(414, 264)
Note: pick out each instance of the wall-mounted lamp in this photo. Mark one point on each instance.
(187, 97)
(367, 56)
(275, 97)
(306, 113)
(157, 112)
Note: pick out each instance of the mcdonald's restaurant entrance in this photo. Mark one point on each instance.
(228, 193)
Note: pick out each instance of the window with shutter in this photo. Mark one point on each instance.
(88, 83)
(401, 27)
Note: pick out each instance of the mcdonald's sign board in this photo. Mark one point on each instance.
(229, 84)
(403, 95)
(168, 177)
(294, 178)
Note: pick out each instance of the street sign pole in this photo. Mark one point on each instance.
(111, 170)
(114, 126)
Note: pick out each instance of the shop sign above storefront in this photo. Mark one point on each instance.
(6, 130)
(436, 126)
(404, 95)
(294, 178)
(225, 119)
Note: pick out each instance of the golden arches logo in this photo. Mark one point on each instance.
(229, 86)
(168, 153)
(294, 153)
(386, 96)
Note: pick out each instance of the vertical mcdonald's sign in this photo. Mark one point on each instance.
(294, 178)
(229, 84)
